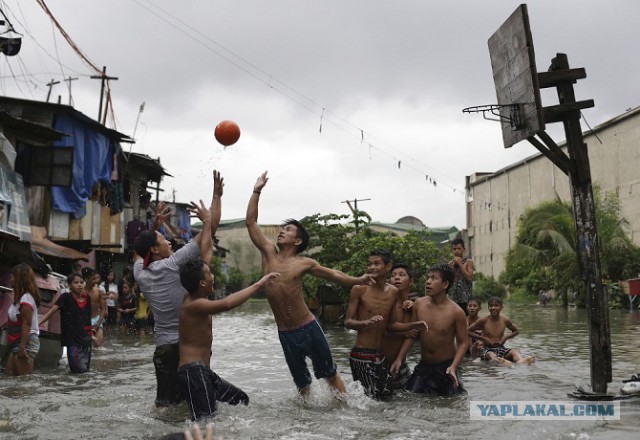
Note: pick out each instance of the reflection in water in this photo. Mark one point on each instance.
(115, 400)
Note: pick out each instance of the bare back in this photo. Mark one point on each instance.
(445, 321)
(195, 334)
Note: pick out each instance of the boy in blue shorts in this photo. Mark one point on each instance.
(300, 334)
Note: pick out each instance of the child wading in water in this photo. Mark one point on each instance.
(493, 337)
(75, 324)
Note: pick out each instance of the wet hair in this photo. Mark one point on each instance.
(495, 300)
(105, 281)
(406, 268)
(301, 233)
(475, 300)
(24, 281)
(382, 253)
(72, 276)
(457, 241)
(191, 273)
(446, 273)
(121, 288)
(88, 272)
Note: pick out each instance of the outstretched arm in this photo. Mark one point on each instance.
(232, 301)
(54, 308)
(255, 233)
(317, 270)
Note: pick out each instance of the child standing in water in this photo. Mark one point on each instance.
(75, 324)
(22, 326)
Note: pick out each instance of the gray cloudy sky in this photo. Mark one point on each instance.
(398, 71)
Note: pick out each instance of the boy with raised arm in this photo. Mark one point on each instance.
(157, 271)
(300, 334)
(444, 345)
(371, 311)
(493, 337)
(200, 385)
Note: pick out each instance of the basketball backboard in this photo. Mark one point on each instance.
(513, 63)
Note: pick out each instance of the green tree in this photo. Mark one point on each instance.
(340, 246)
(544, 255)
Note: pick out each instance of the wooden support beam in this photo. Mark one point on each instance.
(559, 113)
(561, 161)
(555, 77)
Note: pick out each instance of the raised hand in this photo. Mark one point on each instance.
(161, 213)
(218, 184)
(199, 211)
(261, 182)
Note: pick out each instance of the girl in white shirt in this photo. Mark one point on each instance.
(22, 327)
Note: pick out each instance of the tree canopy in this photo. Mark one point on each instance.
(544, 255)
(338, 245)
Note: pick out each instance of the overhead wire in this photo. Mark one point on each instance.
(310, 105)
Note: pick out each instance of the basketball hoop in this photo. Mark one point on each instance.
(515, 114)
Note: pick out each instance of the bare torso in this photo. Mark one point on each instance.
(493, 328)
(375, 300)
(96, 300)
(438, 343)
(195, 336)
(285, 293)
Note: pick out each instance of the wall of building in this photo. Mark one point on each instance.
(496, 201)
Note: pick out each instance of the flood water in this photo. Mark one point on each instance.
(115, 400)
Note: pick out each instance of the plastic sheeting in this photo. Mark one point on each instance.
(92, 162)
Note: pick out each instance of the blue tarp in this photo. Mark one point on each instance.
(92, 162)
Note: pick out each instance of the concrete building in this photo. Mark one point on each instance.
(495, 201)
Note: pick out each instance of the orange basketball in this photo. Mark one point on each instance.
(227, 133)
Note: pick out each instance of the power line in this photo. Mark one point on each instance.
(311, 105)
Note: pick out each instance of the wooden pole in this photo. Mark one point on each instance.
(586, 235)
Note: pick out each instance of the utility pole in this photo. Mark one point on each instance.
(50, 85)
(104, 78)
(70, 96)
(354, 210)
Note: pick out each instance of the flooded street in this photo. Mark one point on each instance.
(115, 400)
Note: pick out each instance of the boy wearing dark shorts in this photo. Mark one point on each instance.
(444, 345)
(75, 324)
(372, 311)
(202, 387)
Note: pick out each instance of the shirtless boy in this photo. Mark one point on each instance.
(98, 304)
(300, 334)
(200, 385)
(371, 311)
(402, 279)
(493, 328)
(444, 345)
(475, 345)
